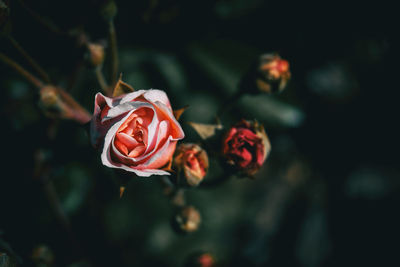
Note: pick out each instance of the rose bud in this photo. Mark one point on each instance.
(269, 75)
(193, 161)
(246, 146)
(187, 220)
(95, 55)
(56, 103)
(42, 255)
(137, 132)
(201, 260)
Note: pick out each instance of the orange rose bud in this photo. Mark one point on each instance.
(188, 219)
(270, 74)
(192, 160)
(246, 146)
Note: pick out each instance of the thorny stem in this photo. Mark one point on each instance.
(30, 60)
(101, 79)
(113, 52)
(18, 68)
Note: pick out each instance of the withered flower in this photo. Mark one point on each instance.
(187, 219)
(246, 146)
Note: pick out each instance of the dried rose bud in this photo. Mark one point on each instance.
(4, 13)
(95, 54)
(43, 255)
(193, 161)
(188, 219)
(57, 103)
(201, 260)
(269, 75)
(246, 146)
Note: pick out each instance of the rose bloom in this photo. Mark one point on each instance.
(137, 131)
(246, 146)
(193, 160)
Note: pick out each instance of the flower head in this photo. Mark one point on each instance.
(246, 146)
(193, 161)
(136, 131)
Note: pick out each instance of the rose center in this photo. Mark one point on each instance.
(131, 137)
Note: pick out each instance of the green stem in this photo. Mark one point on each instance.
(113, 52)
(30, 60)
(18, 68)
(101, 80)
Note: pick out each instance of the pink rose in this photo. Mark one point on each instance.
(137, 131)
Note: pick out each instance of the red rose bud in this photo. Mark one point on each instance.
(192, 160)
(269, 75)
(201, 260)
(246, 146)
(188, 219)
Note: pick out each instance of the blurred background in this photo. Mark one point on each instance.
(327, 195)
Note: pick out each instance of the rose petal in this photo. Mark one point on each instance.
(131, 96)
(123, 108)
(165, 113)
(155, 95)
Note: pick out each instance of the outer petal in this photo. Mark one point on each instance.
(131, 96)
(162, 156)
(97, 129)
(165, 113)
(154, 95)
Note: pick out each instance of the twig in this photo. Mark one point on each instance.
(30, 60)
(18, 68)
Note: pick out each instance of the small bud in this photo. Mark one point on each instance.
(246, 146)
(108, 10)
(188, 219)
(269, 75)
(95, 54)
(57, 103)
(201, 260)
(42, 255)
(192, 160)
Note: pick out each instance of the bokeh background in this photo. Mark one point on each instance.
(328, 195)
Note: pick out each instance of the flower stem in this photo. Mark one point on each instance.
(18, 68)
(101, 80)
(30, 60)
(113, 52)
